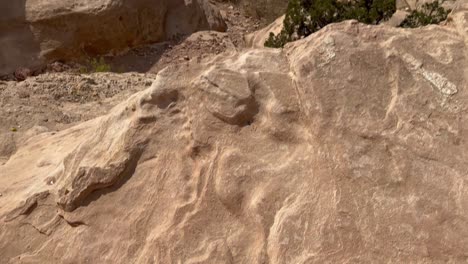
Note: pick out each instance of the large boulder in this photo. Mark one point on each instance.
(349, 146)
(37, 31)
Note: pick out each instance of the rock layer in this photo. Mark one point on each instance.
(37, 31)
(347, 146)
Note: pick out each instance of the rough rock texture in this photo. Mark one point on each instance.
(37, 31)
(349, 146)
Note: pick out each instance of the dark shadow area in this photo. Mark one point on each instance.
(144, 59)
(18, 46)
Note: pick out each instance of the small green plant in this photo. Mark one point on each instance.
(99, 65)
(83, 70)
(430, 13)
(95, 65)
(304, 17)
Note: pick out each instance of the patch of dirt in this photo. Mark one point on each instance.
(57, 100)
(153, 58)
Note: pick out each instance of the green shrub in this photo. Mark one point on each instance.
(430, 13)
(99, 65)
(95, 65)
(304, 17)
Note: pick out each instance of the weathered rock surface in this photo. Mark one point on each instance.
(37, 31)
(349, 146)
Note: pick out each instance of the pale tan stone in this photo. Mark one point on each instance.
(349, 146)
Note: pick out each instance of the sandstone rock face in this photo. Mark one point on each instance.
(36, 31)
(349, 146)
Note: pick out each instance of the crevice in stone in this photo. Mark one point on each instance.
(73, 223)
